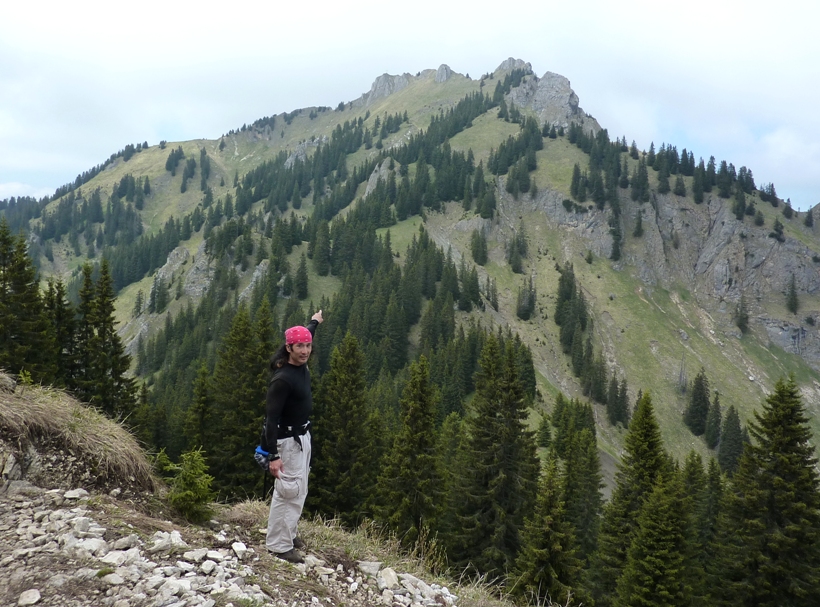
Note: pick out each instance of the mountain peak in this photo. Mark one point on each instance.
(511, 63)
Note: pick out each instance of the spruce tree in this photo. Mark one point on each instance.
(731, 442)
(114, 389)
(496, 490)
(300, 283)
(741, 316)
(548, 568)
(61, 314)
(238, 393)
(713, 423)
(478, 247)
(655, 571)
(83, 385)
(344, 467)
(698, 408)
(643, 462)
(26, 336)
(582, 484)
(409, 486)
(680, 187)
(772, 551)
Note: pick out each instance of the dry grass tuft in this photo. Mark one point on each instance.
(34, 412)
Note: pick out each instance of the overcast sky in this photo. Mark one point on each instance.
(80, 80)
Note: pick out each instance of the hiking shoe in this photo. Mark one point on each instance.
(291, 556)
(298, 543)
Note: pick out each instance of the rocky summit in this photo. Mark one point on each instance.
(74, 548)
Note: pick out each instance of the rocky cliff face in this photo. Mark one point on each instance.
(553, 101)
(384, 86)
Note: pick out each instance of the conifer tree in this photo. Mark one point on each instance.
(499, 468)
(344, 466)
(623, 403)
(713, 423)
(548, 568)
(731, 442)
(26, 336)
(707, 542)
(478, 247)
(771, 555)
(82, 385)
(395, 335)
(655, 570)
(238, 393)
(698, 408)
(582, 484)
(741, 316)
(300, 283)
(638, 231)
(114, 390)
(680, 187)
(643, 462)
(200, 427)
(61, 315)
(409, 484)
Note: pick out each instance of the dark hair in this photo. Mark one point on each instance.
(279, 358)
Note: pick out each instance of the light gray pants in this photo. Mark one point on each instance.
(289, 493)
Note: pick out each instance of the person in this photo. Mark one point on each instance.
(287, 434)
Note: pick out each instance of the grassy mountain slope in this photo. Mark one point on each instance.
(657, 309)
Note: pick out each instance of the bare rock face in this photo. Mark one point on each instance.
(384, 86)
(301, 150)
(200, 275)
(510, 64)
(380, 172)
(258, 274)
(443, 73)
(176, 259)
(553, 100)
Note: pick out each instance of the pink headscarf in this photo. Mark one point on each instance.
(298, 335)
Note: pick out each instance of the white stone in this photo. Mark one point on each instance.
(82, 524)
(57, 581)
(370, 568)
(153, 582)
(113, 579)
(185, 566)
(312, 561)
(75, 494)
(124, 543)
(195, 556)
(29, 597)
(214, 555)
(207, 566)
(171, 587)
(353, 588)
(115, 557)
(389, 578)
(239, 549)
(93, 545)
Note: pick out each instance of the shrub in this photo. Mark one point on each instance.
(191, 487)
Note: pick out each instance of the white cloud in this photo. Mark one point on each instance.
(80, 80)
(14, 188)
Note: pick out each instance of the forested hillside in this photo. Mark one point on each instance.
(518, 308)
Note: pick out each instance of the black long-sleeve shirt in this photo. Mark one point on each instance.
(289, 399)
